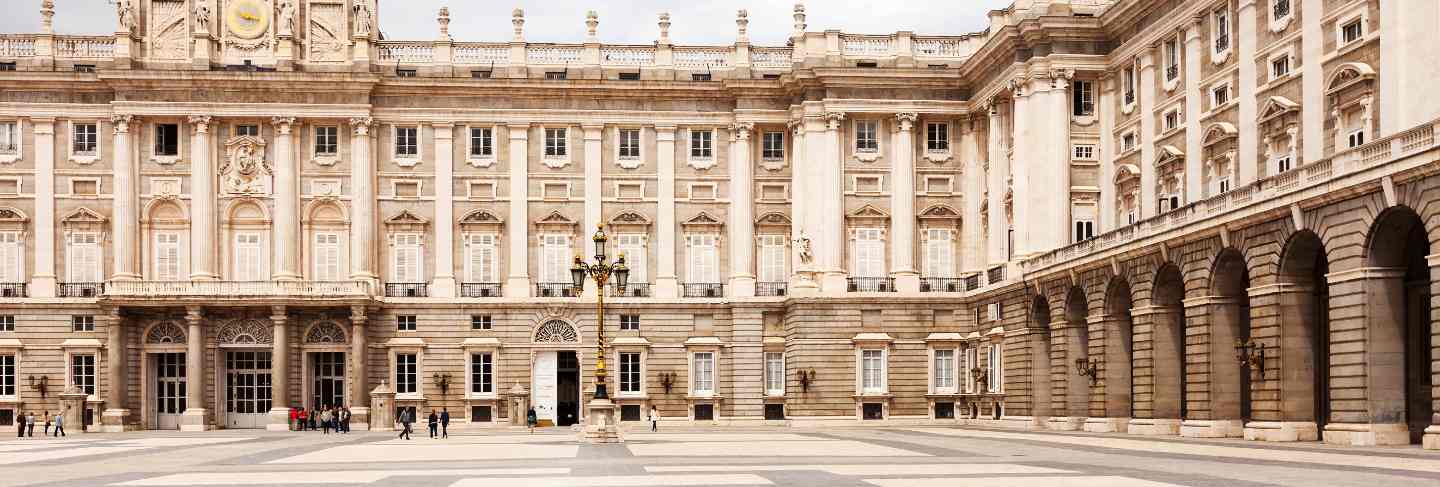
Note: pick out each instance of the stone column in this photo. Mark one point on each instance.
(996, 186)
(517, 230)
(124, 221)
(1149, 203)
(1057, 225)
(1023, 149)
(287, 203)
(114, 418)
(1105, 219)
(1194, 163)
(203, 233)
(594, 182)
(902, 206)
(195, 417)
(1217, 385)
(666, 283)
(742, 212)
(363, 236)
(829, 192)
(443, 286)
(972, 237)
(1248, 107)
(42, 281)
(359, 394)
(280, 371)
(801, 229)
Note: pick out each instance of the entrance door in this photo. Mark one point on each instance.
(169, 389)
(328, 386)
(247, 388)
(567, 380)
(542, 381)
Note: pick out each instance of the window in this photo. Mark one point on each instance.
(405, 322)
(82, 323)
(704, 259)
(1221, 30)
(1129, 79)
(869, 253)
(970, 362)
(482, 142)
(327, 141)
(84, 141)
(629, 143)
(1084, 229)
(482, 254)
(700, 77)
(480, 74)
(407, 142)
(405, 73)
(248, 257)
(167, 139)
(772, 146)
(772, 258)
(632, 246)
(939, 253)
(84, 68)
(10, 66)
(1084, 152)
(1172, 59)
(1281, 9)
(944, 370)
(406, 259)
(327, 257)
(406, 373)
(481, 322)
(248, 130)
(9, 138)
(1279, 67)
(704, 373)
(1283, 163)
(83, 258)
(629, 322)
(167, 256)
(1223, 185)
(1172, 120)
(1219, 96)
(1355, 138)
(774, 373)
(1352, 31)
(1169, 202)
(1083, 98)
(631, 76)
(557, 142)
(629, 373)
(995, 373)
(866, 138)
(872, 369)
(937, 137)
(555, 75)
(7, 375)
(12, 257)
(482, 373)
(7, 322)
(1127, 142)
(702, 144)
(555, 259)
(82, 373)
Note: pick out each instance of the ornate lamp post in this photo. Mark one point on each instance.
(602, 426)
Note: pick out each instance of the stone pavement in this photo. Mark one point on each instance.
(840, 457)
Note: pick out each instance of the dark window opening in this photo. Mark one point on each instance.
(555, 75)
(873, 411)
(630, 412)
(167, 139)
(630, 76)
(481, 414)
(704, 412)
(480, 74)
(84, 68)
(944, 410)
(774, 412)
(404, 73)
(700, 77)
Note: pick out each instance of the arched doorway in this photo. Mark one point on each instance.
(1398, 324)
(1117, 350)
(1303, 294)
(1040, 382)
(1161, 415)
(1077, 344)
(1229, 315)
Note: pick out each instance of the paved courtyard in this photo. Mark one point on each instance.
(832, 457)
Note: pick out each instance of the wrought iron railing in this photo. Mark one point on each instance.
(871, 284)
(704, 290)
(407, 290)
(941, 285)
(555, 290)
(632, 290)
(995, 274)
(480, 290)
(1222, 42)
(172, 289)
(13, 290)
(770, 288)
(81, 289)
(972, 281)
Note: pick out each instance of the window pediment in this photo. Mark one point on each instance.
(1219, 132)
(1125, 173)
(702, 221)
(940, 213)
(1169, 154)
(405, 221)
(1349, 74)
(1277, 106)
(12, 219)
(773, 219)
(556, 221)
(84, 220)
(868, 213)
(629, 218)
(481, 219)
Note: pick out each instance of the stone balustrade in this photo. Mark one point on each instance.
(16, 46)
(230, 290)
(90, 47)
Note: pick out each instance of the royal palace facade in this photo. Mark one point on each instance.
(1195, 218)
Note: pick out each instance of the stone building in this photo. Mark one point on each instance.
(1196, 218)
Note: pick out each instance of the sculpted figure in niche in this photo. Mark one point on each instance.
(126, 12)
(802, 248)
(362, 18)
(202, 16)
(287, 18)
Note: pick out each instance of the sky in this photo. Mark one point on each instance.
(621, 22)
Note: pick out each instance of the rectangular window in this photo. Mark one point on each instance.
(557, 142)
(1221, 31)
(10, 66)
(84, 141)
(167, 139)
(12, 257)
(704, 373)
(480, 74)
(1352, 31)
(937, 137)
(555, 75)
(1279, 67)
(630, 373)
(482, 254)
(1129, 84)
(995, 372)
(866, 136)
(405, 323)
(327, 141)
(406, 373)
(82, 373)
(1127, 141)
(1355, 138)
(1084, 152)
(248, 257)
(869, 253)
(1084, 230)
(774, 373)
(944, 370)
(7, 375)
(327, 257)
(1172, 120)
(971, 361)
(407, 259)
(629, 143)
(7, 322)
(1281, 9)
(632, 247)
(1219, 96)
(405, 73)
(1283, 163)
(555, 259)
(704, 259)
(247, 130)
(1172, 59)
(702, 144)
(83, 258)
(482, 142)
(630, 76)
(82, 323)
(167, 256)
(481, 322)
(407, 141)
(939, 253)
(630, 322)
(482, 373)
(1083, 94)
(772, 146)
(9, 138)
(872, 369)
(700, 77)
(772, 258)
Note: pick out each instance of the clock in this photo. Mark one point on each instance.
(248, 19)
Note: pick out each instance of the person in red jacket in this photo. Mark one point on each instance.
(292, 419)
(302, 418)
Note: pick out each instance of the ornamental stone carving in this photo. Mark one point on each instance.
(202, 17)
(125, 12)
(363, 19)
(245, 332)
(245, 171)
(556, 331)
(325, 333)
(165, 333)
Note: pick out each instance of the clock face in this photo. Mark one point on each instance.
(248, 19)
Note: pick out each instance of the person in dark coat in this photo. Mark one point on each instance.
(434, 422)
(444, 422)
(406, 419)
(531, 419)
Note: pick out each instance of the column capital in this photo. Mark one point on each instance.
(358, 315)
(796, 125)
(742, 130)
(833, 119)
(1192, 28)
(200, 123)
(282, 124)
(278, 313)
(906, 121)
(1018, 85)
(122, 123)
(194, 314)
(361, 125)
(518, 131)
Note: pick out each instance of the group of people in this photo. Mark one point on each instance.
(439, 423)
(54, 425)
(325, 418)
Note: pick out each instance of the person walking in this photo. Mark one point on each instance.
(325, 421)
(20, 426)
(293, 415)
(59, 424)
(654, 419)
(530, 419)
(407, 417)
(301, 417)
(444, 422)
(45, 415)
(30, 424)
(433, 421)
(344, 421)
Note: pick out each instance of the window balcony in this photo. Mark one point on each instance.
(704, 290)
(972, 281)
(632, 290)
(1172, 72)
(995, 274)
(163, 292)
(941, 285)
(480, 290)
(13, 290)
(81, 289)
(770, 288)
(407, 290)
(1222, 43)
(555, 290)
(871, 284)
(1129, 97)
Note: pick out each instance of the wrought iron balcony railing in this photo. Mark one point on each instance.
(81, 289)
(941, 285)
(407, 290)
(632, 290)
(555, 290)
(972, 281)
(1222, 42)
(871, 284)
(480, 290)
(770, 288)
(704, 290)
(235, 289)
(995, 274)
(13, 290)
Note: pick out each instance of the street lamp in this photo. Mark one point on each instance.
(600, 272)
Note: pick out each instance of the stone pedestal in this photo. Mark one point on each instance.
(1432, 438)
(1216, 428)
(360, 419)
(113, 420)
(200, 55)
(835, 284)
(519, 404)
(279, 420)
(1281, 431)
(193, 419)
(907, 282)
(1359, 434)
(382, 412)
(1154, 427)
(600, 423)
(1107, 425)
(73, 405)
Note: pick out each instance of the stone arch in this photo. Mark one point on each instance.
(248, 210)
(1118, 350)
(1228, 313)
(245, 332)
(166, 332)
(556, 331)
(1398, 321)
(1077, 346)
(1166, 374)
(326, 211)
(1040, 381)
(161, 211)
(325, 332)
(1303, 293)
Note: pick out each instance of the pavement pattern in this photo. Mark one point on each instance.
(831, 457)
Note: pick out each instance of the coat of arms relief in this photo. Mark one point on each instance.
(245, 171)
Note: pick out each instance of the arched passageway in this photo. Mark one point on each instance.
(1116, 366)
(1398, 348)
(1077, 385)
(1040, 382)
(1230, 380)
(1162, 373)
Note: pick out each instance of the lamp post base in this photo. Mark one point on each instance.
(600, 424)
